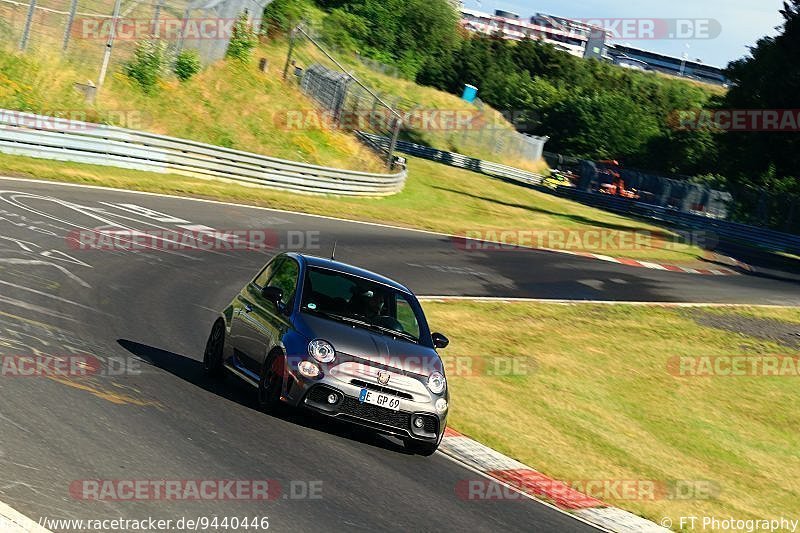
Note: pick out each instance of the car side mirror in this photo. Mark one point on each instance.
(273, 294)
(440, 341)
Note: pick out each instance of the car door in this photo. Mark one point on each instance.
(245, 338)
(261, 322)
(274, 319)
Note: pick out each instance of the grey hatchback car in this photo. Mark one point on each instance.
(339, 340)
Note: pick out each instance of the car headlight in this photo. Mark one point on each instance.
(308, 369)
(441, 405)
(437, 383)
(321, 350)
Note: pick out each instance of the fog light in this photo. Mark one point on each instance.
(333, 398)
(308, 369)
(441, 405)
(418, 422)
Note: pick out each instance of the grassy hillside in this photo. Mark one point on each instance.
(235, 105)
(229, 104)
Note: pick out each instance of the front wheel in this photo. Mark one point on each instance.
(271, 383)
(212, 358)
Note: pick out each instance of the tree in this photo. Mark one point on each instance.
(769, 78)
(600, 125)
(409, 33)
(243, 39)
(187, 64)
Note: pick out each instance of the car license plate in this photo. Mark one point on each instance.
(381, 400)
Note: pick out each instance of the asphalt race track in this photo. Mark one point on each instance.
(147, 313)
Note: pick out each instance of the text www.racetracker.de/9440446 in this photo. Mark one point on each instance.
(198, 523)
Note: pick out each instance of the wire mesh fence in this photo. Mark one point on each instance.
(91, 33)
(328, 76)
(345, 102)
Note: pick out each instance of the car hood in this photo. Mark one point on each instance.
(364, 344)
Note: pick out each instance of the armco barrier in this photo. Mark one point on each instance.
(454, 159)
(67, 140)
(762, 237)
(765, 238)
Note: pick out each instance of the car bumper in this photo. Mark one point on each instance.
(399, 423)
(415, 401)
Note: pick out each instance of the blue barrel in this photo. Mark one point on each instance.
(470, 93)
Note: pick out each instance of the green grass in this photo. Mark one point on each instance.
(229, 104)
(436, 197)
(597, 402)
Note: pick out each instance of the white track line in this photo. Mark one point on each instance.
(12, 521)
(489, 299)
(325, 217)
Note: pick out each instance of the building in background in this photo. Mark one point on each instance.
(585, 40)
(511, 26)
(625, 55)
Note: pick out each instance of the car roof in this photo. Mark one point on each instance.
(314, 261)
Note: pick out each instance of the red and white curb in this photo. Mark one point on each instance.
(12, 521)
(721, 271)
(524, 479)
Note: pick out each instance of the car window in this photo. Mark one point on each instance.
(284, 276)
(407, 318)
(343, 297)
(262, 279)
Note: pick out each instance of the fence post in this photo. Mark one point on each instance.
(182, 30)
(73, 7)
(393, 144)
(109, 46)
(373, 115)
(292, 37)
(26, 32)
(156, 18)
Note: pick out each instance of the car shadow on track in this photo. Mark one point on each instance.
(231, 389)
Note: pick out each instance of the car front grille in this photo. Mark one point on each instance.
(431, 424)
(319, 394)
(378, 388)
(396, 419)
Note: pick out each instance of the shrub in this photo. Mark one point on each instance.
(148, 64)
(243, 39)
(281, 16)
(187, 64)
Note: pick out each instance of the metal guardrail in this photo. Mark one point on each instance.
(454, 159)
(733, 231)
(82, 142)
(724, 229)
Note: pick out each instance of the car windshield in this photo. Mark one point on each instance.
(360, 302)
